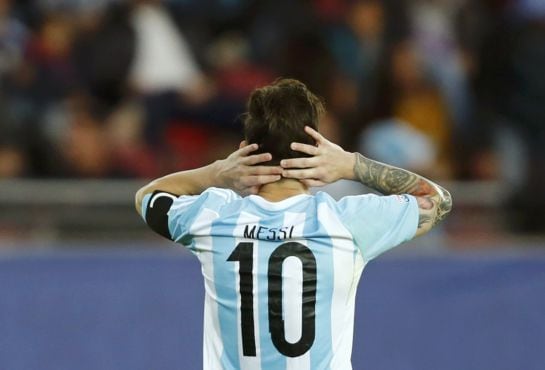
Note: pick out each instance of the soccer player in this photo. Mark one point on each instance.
(281, 266)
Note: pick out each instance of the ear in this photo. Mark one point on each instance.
(242, 144)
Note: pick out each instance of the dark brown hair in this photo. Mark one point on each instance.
(277, 115)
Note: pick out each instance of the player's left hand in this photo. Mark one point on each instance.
(328, 162)
(240, 171)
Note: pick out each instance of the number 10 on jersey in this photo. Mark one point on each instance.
(243, 254)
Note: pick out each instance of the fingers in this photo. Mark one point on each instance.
(257, 158)
(309, 173)
(315, 134)
(263, 170)
(251, 181)
(299, 162)
(244, 151)
(305, 148)
(313, 183)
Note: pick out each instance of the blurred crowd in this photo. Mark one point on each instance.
(454, 89)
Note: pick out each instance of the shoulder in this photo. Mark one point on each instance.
(322, 196)
(376, 206)
(349, 200)
(227, 194)
(371, 197)
(212, 198)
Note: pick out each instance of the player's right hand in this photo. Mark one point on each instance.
(328, 162)
(240, 171)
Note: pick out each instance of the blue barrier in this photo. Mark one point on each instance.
(144, 312)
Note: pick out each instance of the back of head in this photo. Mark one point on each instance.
(277, 115)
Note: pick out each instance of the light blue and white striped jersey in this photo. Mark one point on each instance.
(281, 277)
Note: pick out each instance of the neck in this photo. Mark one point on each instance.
(282, 189)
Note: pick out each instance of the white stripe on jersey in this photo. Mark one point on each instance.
(248, 362)
(347, 267)
(292, 323)
(211, 340)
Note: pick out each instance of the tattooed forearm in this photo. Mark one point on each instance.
(434, 201)
(384, 178)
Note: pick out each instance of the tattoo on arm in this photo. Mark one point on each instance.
(434, 201)
(444, 207)
(384, 178)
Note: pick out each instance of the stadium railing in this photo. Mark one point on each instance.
(56, 210)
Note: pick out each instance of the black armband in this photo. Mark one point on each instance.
(157, 212)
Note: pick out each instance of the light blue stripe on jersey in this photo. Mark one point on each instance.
(321, 350)
(225, 280)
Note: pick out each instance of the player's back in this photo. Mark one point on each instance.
(280, 282)
(281, 277)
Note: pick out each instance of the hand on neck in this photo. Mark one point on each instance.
(282, 189)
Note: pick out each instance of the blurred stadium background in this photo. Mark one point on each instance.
(98, 96)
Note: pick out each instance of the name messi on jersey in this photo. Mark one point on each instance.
(268, 233)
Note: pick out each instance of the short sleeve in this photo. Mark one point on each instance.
(379, 223)
(172, 216)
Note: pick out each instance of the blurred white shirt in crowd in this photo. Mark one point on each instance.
(163, 60)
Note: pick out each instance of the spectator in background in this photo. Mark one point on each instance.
(516, 102)
(236, 75)
(509, 84)
(274, 23)
(131, 157)
(190, 74)
(400, 144)
(357, 45)
(163, 67)
(436, 41)
(81, 140)
(49, 53)
(12, 161)
(13, 37)
(330, 11)
(105, 31)
(407, 97)
(163, 60)
(45, 76)
(320, 75)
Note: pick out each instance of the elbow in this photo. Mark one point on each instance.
(139, 197)
(448, 201)
(445, 205)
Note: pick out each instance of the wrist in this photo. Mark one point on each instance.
(216, 174)
(349, 162)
